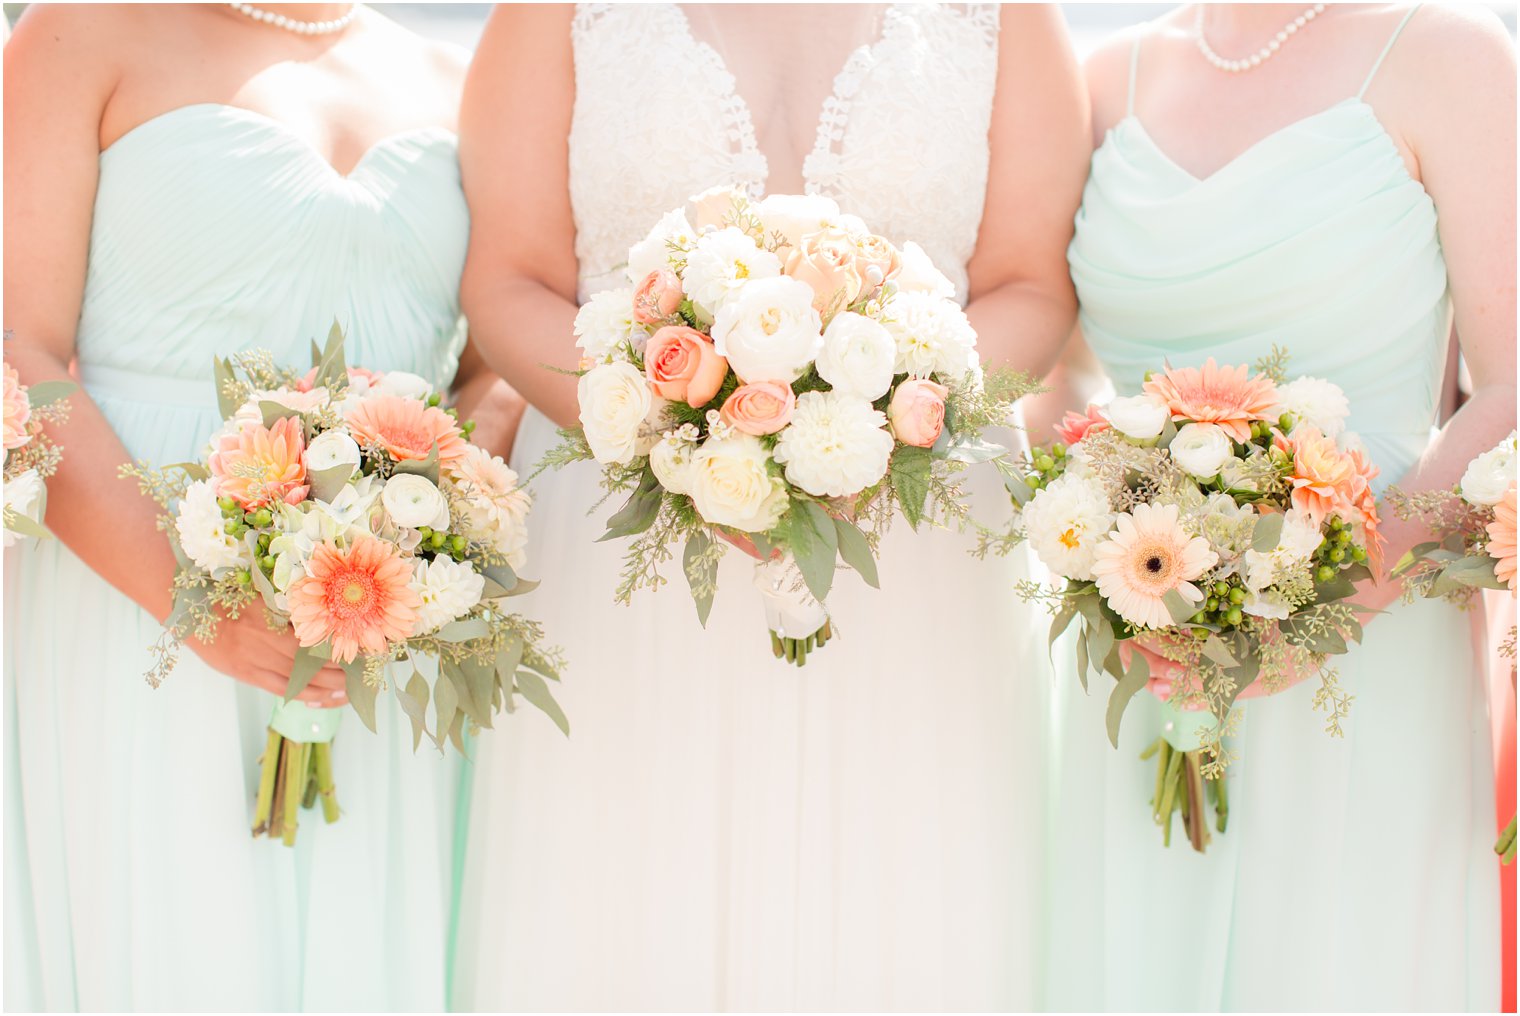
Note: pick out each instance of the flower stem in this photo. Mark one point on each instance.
(269, 764)
(294, 778)
(325, 785)
(309, 796)
(1505, 848)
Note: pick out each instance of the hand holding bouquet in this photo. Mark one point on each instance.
(1209, 532)
(351, 506)
(782, 379)
(30, 456)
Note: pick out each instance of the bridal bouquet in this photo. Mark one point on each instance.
(351, 506)
(783, 379)
(30, 456)
(1474, 548)
(1215, 526)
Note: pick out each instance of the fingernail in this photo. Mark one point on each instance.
(336, 694)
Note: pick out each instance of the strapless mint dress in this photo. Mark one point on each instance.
(131, 879)
(1356, 873)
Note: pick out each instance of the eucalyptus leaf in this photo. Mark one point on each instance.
(818, 559)
(463, 630)
(1100, 642)
(536, 691)
(502, 575)
(328, 483)
(414, 702)
(701, 573)
(308, 661)
(856, 551)
(639, 511)
(445, 706)
(360, 695)
(45, 393)
(332, 369)
(16, 522)
(1215, 650)
(1178, 606)
(969, 449)
(1082, 663)
(1060, 623)
(479, 682)
(223, 377)
(192, 470)
(1267, 533)
(426, 468)
(1118, 700)
(274, 412)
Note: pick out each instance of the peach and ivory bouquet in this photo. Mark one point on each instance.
(1474, 548)
(350, 505)
(1208, 534)
(780, 378)
(30, 455)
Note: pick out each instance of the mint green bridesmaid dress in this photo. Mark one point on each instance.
(1356, 873)
(131, 879)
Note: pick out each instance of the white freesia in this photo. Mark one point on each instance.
(1065, 522)
(1201, 449)
(836, 444)
(202, 530)
(933, 336)
(1490, 476)
(653, 252)
(1316, 402)
(918, 274)
(858, 356)
(605, 322)
(413, 501)
(671, 459)
(446, 588)
(724, 263)
(495, 507)
(615, 399)
(1299, 540)
(1141, 417)
(769, 331)
(794, 216)
(402, 384)
(731, 484)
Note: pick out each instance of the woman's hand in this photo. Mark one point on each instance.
(1167, 674)
(248, 650)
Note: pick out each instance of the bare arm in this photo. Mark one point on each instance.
(495, 407)
(1022, 301)
(1466, 153)
(520, 275)
(58, 79)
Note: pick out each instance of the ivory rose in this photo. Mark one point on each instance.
(731, 484)
(760, 408)
(917, 412)
(829, 262)
(615, 400)
(682, 364)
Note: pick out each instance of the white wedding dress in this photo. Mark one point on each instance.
(721, 830)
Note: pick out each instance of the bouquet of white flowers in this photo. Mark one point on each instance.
(30, 455)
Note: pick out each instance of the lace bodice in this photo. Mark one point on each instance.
(901, 140)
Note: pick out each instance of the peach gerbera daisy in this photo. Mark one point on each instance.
(406, 428)
(1148, 555)
(1501, 539)
(360, 598)
(18, 410)
(1325, 479)
(258, 465)
(1227, 396)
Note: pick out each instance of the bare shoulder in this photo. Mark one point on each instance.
(1451, 47)
(1107, 73)
(84, 43)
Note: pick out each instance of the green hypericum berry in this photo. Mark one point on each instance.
(1336, 525)
(467, 428)
(1324, 573)
(1221, 588)
(424, 531)
(1285, 422)
(243, 578)
(1044, 463)
(434, 399)
(457, 544)
(230, 527)
(1237, 595)
(1343, 537)
(1058, 450)
(1337, 555)
(1212, 604)
(1358, 554)
(1202, 617)
(267, 562)
(1235, 616)
(226, 504)
(262, 518)
(436, 540)
(1032, 481)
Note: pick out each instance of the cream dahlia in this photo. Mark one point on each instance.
(258, 466)
(1148, 555)
(360, 598)
(1227, 396)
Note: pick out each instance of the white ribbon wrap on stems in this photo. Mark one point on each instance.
(790, 610)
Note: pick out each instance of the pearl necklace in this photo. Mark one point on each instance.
(292, 25)
(1262, 55)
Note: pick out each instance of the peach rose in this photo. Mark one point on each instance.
(657, 298)
(682, 364)
(917, 412)
(760, 408)
(829, 262)
(879, 261)
(1075, 426)
(18, 411)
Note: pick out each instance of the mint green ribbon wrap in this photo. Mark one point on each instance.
(1186, 730)
(296, 721)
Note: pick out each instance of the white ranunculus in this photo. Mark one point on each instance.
(402, 384)
(447, 589)
(858, 356)
(1201, 449)
(794, 216)
(615, 400)
(731, 484)
(723, 264)
(1065, 522)
(769, 331)
(1299, 540)
(23, 495)
(606, 321)
(653, 252)
(919, 275)
(332, 448)
(202, 530)
(1316, 402)
(1490, 476)
(1141, 417)
(413, 501)
(933, 336)
(671, 460)
(836, 445)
